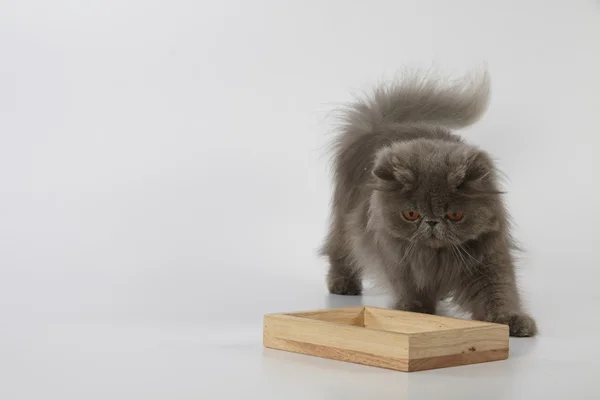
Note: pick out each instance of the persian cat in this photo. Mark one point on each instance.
(418, 207)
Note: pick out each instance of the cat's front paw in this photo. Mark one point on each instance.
(346, 287)
(415, 306)
(520, 325)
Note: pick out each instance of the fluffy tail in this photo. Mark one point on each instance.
(420, 98)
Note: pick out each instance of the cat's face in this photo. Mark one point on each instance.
(436, 194)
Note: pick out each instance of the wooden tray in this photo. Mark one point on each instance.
(398, 340)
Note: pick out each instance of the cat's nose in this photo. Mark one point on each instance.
(432, 223)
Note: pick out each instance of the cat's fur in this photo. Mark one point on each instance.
(395, 152)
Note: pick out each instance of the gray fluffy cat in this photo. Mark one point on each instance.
(418, 207)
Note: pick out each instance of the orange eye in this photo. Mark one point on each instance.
(411, 215)
(454, 215)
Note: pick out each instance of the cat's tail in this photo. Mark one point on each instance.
(419, 97)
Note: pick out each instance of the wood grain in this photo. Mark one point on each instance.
(339, 336)
(410, 322)
(459, 341)
(455, 360)
(358, 357)
(384, 338)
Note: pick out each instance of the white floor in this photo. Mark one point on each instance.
(162, 187)
(208, 351)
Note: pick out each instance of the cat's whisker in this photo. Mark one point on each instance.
(454, 255)
(460, 251)
(464, 261)
(476, 267)
(408, 250)
(465, 251)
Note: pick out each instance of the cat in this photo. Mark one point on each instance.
(418, 207)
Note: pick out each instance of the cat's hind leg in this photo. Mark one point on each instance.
(343, 277)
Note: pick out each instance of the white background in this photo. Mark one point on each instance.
(163, 185)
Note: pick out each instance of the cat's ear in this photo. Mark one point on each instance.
(392, 172)
(473, 171)
(479, 166)
(384, 170)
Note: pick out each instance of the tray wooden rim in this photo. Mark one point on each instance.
(309, 332)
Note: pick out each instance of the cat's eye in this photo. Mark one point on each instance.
(454, 215)
(411, 215)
